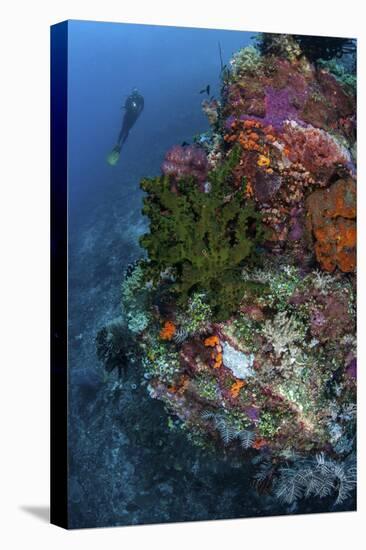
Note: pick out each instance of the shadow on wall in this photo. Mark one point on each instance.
(40, 512)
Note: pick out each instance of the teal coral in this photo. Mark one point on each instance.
(136, 300)
(196, 315)
(161, 362)
(206, 387)
(340, 72)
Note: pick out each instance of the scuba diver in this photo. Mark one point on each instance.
(133, 106)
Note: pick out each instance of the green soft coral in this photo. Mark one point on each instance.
(204, 237)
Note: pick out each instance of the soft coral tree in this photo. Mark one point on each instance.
(204, 237)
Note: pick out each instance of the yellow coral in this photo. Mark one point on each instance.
(263, 161)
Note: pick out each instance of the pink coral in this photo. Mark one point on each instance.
(186, 161)
(314, 148)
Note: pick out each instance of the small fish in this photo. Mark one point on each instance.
(185, 143)
(206, 90)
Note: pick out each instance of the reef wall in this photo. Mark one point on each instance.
(242, 311)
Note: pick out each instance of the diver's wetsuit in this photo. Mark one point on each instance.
(133, 108)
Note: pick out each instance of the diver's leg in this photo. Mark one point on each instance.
(121, 137)
(125, 136)
(125, 130)
(128, 121)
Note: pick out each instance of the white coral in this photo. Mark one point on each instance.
(322, 281)
(239, 363)
(257, 275)
(283, 332)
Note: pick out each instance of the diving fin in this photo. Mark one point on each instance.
(113, 156)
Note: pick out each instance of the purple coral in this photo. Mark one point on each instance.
(279, 107)
(265, 186)
(351, 370)
(296, 224)
(230, 121)
(252, 413)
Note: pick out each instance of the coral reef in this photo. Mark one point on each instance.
(295, 124)
(244, 308)
(271, 377)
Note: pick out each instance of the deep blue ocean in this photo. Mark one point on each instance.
(125, 466)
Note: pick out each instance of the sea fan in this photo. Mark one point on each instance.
(264, 471)
(229, 433)
(246, 438)
(319, 477)
(288, 488)
(113, 346)
(263, 479)
(180, 336)
(346, 481)
(207, 415)
(315, 483)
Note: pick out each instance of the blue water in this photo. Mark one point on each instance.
(169, 66)
(125, 466)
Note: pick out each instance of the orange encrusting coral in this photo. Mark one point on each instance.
(259, 443)
(248, 189)
(181, 386)
(331, 220)
(168, 330)
(216, 355)
(211, 341)
(251, 135)
(218, 361)
(256, 142)
(236, 387)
